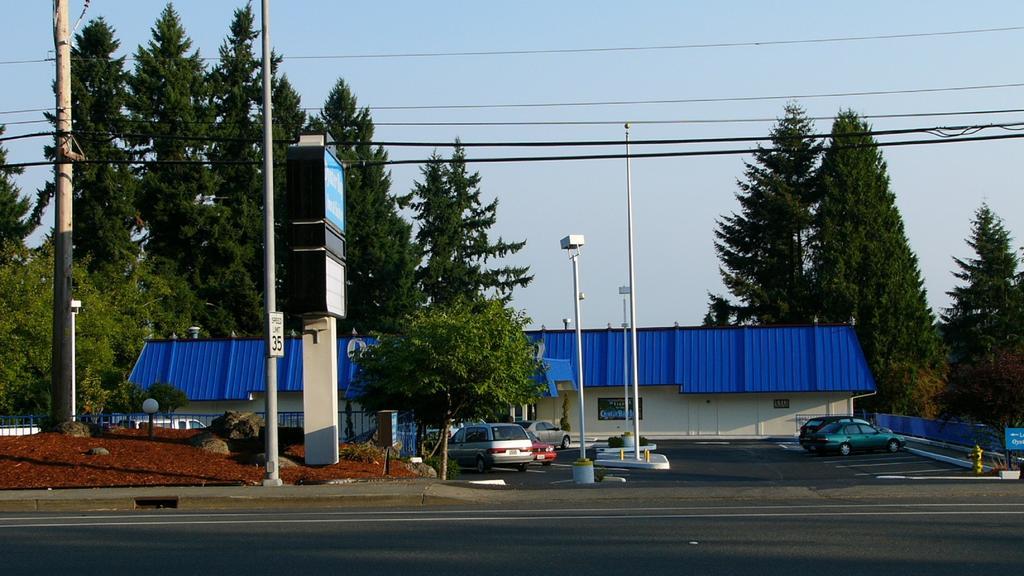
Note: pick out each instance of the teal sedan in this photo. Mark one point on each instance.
(848, 437)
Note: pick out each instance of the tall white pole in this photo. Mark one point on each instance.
(272, 475)
(632, 304)
(579, 351)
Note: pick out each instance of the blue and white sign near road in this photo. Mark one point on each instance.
(334, 191)
(1015, 438)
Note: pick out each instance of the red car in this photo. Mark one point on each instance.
(542, 451)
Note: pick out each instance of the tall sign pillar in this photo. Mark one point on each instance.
(316, 276)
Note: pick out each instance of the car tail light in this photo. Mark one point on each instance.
(496, 450)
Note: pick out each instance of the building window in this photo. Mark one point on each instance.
(780, 403)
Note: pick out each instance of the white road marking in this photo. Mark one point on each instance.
(905, 472)
(896, 463)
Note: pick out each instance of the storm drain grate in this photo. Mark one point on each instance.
(156, 502)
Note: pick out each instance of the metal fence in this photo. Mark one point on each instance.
(951, 431)
(353, 425)
(19, 425)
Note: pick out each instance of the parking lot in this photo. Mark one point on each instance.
(696, 462)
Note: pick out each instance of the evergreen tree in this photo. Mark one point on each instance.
(169, 103)
(104, 209)
(231, 265)
(987, 308)
(866, 271)
(765, 249)
(453, 235)
(381, 257)
(15, 221)
(289, 120)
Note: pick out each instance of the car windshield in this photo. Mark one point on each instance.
(509, 433)
(525, 423)
(813, 423)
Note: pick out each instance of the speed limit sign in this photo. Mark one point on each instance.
(275, 336)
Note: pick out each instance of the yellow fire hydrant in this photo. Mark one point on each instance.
(976, 453)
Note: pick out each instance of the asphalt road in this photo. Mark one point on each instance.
(724, 537)
(744, 461)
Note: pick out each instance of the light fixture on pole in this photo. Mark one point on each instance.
(572, 244)
(624, 290)
(632, 302)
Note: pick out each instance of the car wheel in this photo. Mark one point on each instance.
(845, 449)
(481, 466)
(893, 445)
(565, 442)
(521, 467)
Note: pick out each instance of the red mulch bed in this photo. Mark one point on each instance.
(51, 460)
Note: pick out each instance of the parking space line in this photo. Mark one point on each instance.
(897, 462)
(907, 471)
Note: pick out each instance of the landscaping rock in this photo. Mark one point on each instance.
(423, 470)
(98, 451)
(237, 425)
(282, 461)
(76, 429)
(208, 442)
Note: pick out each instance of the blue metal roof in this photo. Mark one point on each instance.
(818, 358)
(716, 360)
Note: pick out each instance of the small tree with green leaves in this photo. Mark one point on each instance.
(169, 397)
(456, 362)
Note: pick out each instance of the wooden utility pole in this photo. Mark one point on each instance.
(60, 385)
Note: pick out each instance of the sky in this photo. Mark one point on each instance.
(726, 73)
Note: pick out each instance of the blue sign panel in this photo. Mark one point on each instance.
(1015, 438)
(334, 191)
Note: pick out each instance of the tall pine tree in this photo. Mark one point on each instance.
(15, 217)
(232, 263)
(169, 105)
(104, 194)
(987, 310)
(765, 249)
(866, 271)
(381, 257)
(453, 235)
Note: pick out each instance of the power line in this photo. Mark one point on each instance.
(939, 131)
(26, 111)
(656, 47)
(22, 136)
(606, 49)
(689, 121)
(522, 159)
(694, 100)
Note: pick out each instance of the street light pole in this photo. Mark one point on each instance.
(572, 244)
(632, 303)
(272, 475)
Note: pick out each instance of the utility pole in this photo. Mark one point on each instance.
(60, 383)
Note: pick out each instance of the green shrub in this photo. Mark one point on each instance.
(365, 452)
(643, 441)
(435, 462)
(599, 473)
(615, 442)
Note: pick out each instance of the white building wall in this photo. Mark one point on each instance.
(669, 414)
